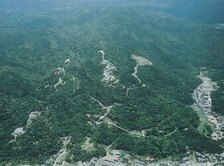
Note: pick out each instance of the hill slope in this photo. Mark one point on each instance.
(92, 77)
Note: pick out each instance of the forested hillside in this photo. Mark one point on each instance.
(106, 75)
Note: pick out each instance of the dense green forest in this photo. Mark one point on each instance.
(34, 43)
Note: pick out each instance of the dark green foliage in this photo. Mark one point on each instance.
(35, 146)
(82, 155)
(196, 141)
(106, 135)
(154, 146)
(14, 84)
(33, 44)
(157, 112)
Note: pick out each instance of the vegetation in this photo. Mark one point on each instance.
(34, 43)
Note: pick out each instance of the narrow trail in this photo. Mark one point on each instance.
(127, 131)
(110, 122)
(103, 107)
(135, 73)
(60, 73)
(108, 110)
(171, 133)
(140, 61)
